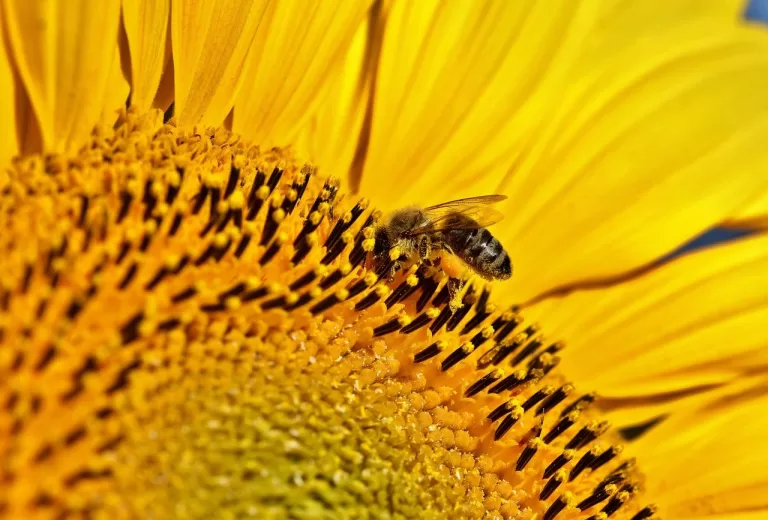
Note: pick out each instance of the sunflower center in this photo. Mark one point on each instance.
(189, 328)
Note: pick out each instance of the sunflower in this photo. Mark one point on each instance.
(190, 322)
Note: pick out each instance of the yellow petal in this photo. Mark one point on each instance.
(118, 87)
(146, 25)
(64, 52)
(325, 139)
(211, 41)
(687, 330)
(710, 462)
(294, 55)
(9, 144)
(610, 139)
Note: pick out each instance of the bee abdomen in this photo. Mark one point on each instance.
(481, 251)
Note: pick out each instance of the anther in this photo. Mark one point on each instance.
(554, 399)
(418, 322)
(388, 327)
(618, 500)
(560, 461)
(511, 381)
(584, 462)
(502, 410)
(645, 513)
(534, 399)
(457, 317)
(609, 454)
(597, 496)
(303, 280)
(130, 331)
(504, 349)
(130, 273)
(587, 434)
(529, 349)
(562, 425)
(527, 454)
(552, 485)
(579, 404)
(325, 304)
(475, 320)
(126, 197)
(331, 279)
(430, 352)
(184, 295)
(483, 383)
(456, 356)
(441, 319)
(507, 422)
(558, 505)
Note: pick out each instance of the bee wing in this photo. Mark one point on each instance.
(470, 213)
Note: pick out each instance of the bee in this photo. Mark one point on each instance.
(457, 228)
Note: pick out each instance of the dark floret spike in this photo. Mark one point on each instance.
(357, 287)
(84, 203)
(560, 461)
(455, 357)
(332, 279)
(400, 293)
(427, 353)
(270, 224)
(555, 509)
(269, 253)
(173, 191)
(343, 224)
(443, 296)
(526, 351)
(534, 399)
(557, 430)
(303, 299)
(126, 197)
(149, 200)
(324, 304)
(200, 199)
(420, 321)
(482, 383)
(387, 328)
(584, 462)
(553, 400)
(550, 487)
(508, 383)
(474, 321)
(457, 317)
(599, 495)
(500, 411)
(604, 458)
(245, 240)
(526, 455)
(253, 202)
(441, 319)
(428, 288)
(579, 404)
(234, 176)
(303, 280)
(161, 273)
(215, 199)
(367, 301)
(274, 178)
(645, 513)
(506, 424)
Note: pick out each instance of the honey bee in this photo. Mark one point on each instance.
(457, 227)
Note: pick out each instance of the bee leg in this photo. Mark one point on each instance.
(454, 290)
(424, 249)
